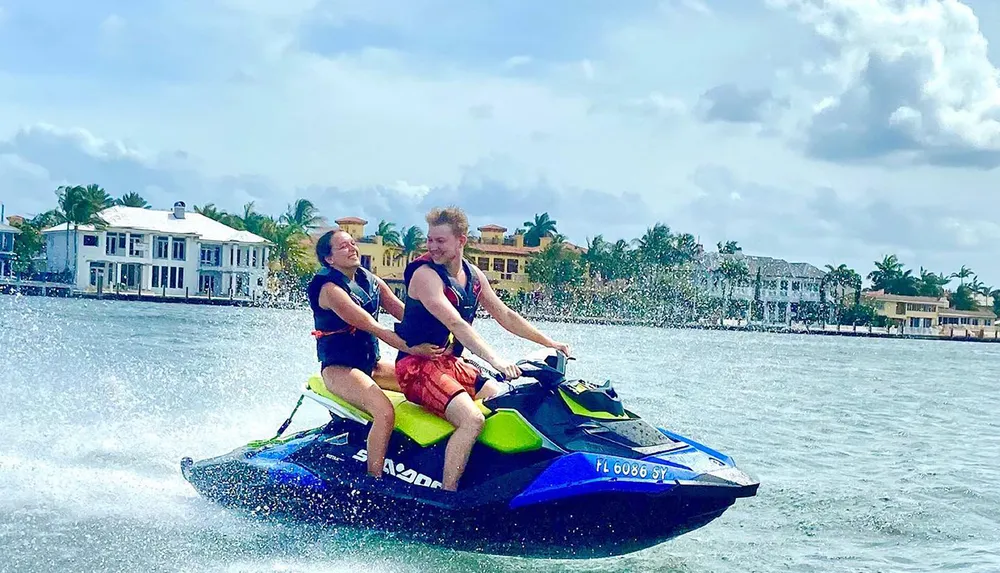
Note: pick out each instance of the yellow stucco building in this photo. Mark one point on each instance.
(501, 257)
(924, 312)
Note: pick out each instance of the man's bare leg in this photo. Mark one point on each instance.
(468, 421)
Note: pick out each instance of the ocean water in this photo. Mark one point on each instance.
(873, 455)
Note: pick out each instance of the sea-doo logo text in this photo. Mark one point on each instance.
(400, 471)
(632, 469)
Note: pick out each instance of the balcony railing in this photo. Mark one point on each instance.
(495, 276)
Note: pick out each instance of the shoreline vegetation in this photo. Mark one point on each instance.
(659, 279)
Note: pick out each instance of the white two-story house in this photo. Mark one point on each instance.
(8, 235)
(171, 253)
(783, 286)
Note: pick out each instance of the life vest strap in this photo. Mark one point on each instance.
(348, 330)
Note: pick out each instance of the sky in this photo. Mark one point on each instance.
(822, 131)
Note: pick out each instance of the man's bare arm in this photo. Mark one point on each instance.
(427, 287)
(510, 320)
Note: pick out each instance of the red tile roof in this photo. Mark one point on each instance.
(351, 221)
(882, 295)
(495, 228)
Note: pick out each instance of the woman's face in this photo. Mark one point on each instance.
(343, 251)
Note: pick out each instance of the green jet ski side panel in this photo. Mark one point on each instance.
(508, 432)
(581, 410)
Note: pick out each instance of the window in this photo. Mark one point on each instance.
(173, 277)
(207, 284)
(211, 255)
(161, 248)
(254, 252)
(156, 277)
(180, 277)
(90, 240)
(135, 245)
(114, 244)
(900, 308)
(96, 273)
(784, 285)
(796, 285)
(483, 262)
(178, 249)
(511, 265)
(498, 265)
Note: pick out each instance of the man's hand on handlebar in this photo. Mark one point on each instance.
(509, 370)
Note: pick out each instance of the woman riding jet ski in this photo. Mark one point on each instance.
(346, 299)
(560, 469)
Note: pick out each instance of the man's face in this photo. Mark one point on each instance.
(344, 251)
(443, 244)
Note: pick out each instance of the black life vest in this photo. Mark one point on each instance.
(336, 340)
(419, 325)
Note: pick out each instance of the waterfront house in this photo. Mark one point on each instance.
(783, 288)
(8, 235)
(912, 312)
(170, 253)
(930, 315)
(501, 257)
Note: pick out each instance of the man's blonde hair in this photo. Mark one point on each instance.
(451, 216)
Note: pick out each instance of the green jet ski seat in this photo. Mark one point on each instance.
(505, 430)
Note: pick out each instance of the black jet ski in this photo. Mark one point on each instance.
(561, 469)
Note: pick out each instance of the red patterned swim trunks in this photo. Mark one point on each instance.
(434, 382)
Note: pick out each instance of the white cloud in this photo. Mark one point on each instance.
(516, 62)
(925, 61)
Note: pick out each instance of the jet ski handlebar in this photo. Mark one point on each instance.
(544, 373)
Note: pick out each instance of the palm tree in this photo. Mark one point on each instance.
(686, 248)
(542, 226)
(886, 273)
(621, 260)
(412, 241)
(132, 199)
(303, 215)
(931, 284)
(596, 257)
(975, 285)
(962, 274)
(390, 236)
(210, 211)
(288, 249)
(735, 273)
(656, 245)
(49, 218)
(79, 205)
(728, 248)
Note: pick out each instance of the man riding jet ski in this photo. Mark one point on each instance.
(560, 469)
